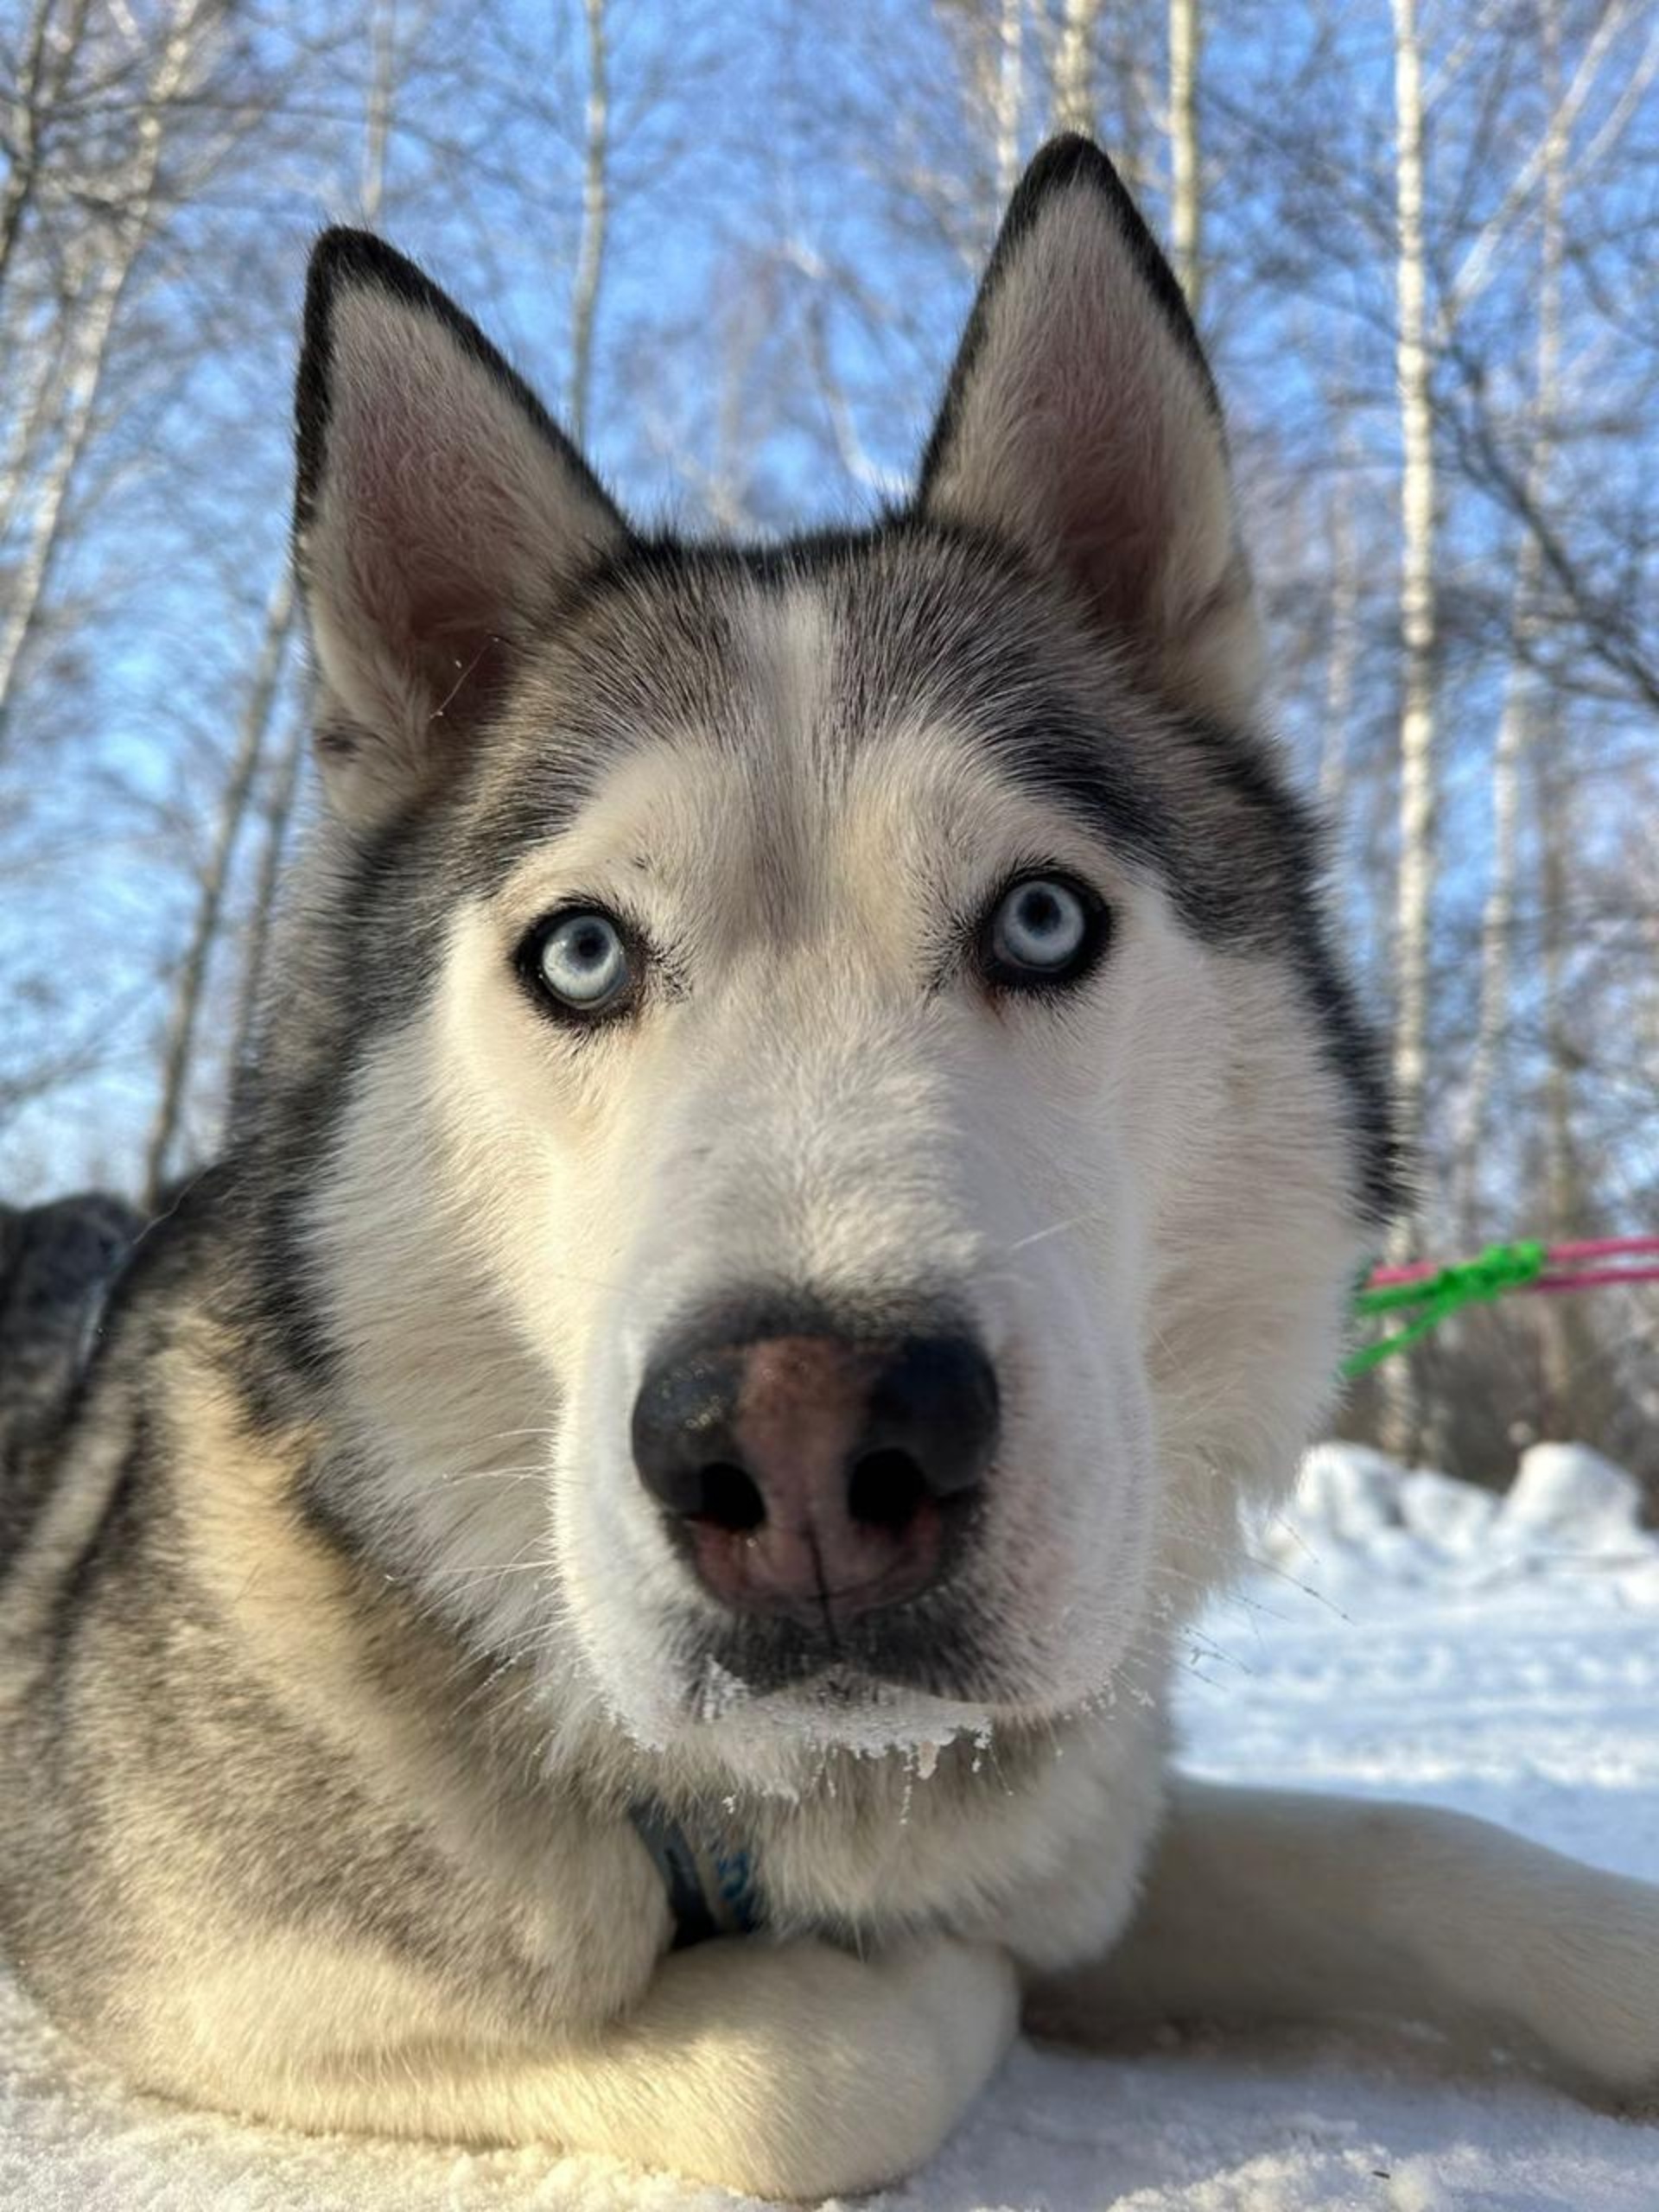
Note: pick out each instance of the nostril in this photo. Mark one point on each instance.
(728, 1498)
(934, 1405)
(886, 1489)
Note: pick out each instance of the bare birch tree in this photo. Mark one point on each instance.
(595, 211)
(988, 38)
(284, 772)
(190, 985)
(1009, 101)
(1522, 706)
(1185, 190)
(1342, 652)
(1414, 879)
(1412, 368)
(46, 57)
(190, 28)
(1075, 104)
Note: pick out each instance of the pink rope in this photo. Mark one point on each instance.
(1595, 1247)
(1602, 1248)
(1589, 1278)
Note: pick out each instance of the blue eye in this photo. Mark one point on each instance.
(581, 961)
(1043, 930)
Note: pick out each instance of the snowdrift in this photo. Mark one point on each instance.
(1356, 1513)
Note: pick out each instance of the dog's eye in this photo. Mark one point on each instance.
(1043, 930)
(581, 961)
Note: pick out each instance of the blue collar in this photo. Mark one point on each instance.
(710, 1882)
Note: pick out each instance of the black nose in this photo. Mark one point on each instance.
(818, 1472)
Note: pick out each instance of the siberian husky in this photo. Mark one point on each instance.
(608, 1579)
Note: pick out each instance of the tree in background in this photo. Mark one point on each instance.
(1420, 239)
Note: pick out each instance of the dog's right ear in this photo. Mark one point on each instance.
(1081, 423)
(438, 512)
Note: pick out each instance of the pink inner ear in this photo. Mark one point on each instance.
(1104, 540)
(447, 513)
(1092, 450)
(439, 551)
(1084, 430)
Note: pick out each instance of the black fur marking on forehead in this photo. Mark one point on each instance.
(941, 618)
(1209, 808)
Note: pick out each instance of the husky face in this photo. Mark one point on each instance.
(844, 1146)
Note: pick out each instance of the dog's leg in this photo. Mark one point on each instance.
(1275, 1904)
(793, 2070)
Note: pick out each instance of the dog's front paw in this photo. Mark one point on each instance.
(844, 2073)
(965, 1998)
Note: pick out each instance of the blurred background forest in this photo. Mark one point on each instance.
(733, 246)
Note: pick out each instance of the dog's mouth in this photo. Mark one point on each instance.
(934, 1647)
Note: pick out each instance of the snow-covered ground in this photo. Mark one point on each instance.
(1403, 1637)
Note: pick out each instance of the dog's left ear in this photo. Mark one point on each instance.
(439, 514)
(1081, 422)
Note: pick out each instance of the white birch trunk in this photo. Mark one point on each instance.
(1487, 1064)
(1573, 1376)
(380, 115)
(1521, 710)
(34, 404)
(1342, 657)
(191, 985)
(48, 51)
(1417, 798)
(1009, 96)
(1571, 1372)
(377, 111)
(1186, 192)
(1415, 884)
(595, 211)
(89, 345)
(1074, 68)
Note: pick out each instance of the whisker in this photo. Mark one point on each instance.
(485, 1574)
(1056, 1228)
(535, 1471)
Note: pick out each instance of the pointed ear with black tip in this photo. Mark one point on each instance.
(1081, 422)
(439, 511)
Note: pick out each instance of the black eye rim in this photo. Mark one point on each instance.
(1005, 976)
(527, 962)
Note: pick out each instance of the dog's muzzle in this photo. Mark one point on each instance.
(817, 1470)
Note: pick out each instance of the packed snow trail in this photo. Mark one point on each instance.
(1404, 1637)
